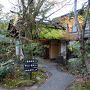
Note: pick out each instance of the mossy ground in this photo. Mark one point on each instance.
(79, 86)
(21, 79)
(82, 86)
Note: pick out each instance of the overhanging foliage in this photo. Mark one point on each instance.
(49, 33)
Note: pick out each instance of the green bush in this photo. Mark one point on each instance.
(22, 78)
(78, 85)
(33, 49)
(7, 51)
(5, 70)
(75, 66)
(88, 55)
(17, 83)
(75, 48)
(49, 33)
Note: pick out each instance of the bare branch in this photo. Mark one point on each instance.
(27, 39)
(12, 3)
(39, 5)
(24, 7)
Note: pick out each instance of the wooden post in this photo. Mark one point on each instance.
(30, 75)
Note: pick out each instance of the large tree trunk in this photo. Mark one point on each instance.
(87, 61)
(81, 33)
(83, 48)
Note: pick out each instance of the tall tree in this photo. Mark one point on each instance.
(83, 51)
(30, 14)
(81, 33)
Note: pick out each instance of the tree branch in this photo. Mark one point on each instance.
(39, 5)
(58, 9)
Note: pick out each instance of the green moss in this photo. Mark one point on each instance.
(49, 33)
(79, 86)
(23, 79)
(16, 83)
(40, 76)
(85, 86)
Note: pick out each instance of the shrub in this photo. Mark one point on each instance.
(75, 66)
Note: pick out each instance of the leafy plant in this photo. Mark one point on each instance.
(17, 83)
(75, 48)
(23, 79)
(3, 26)
(36, 49)
(50, 33)
(5, 69)
(80, 85)
(87, 46)
(75, 64)
(7, 51)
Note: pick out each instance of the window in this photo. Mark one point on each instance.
(74, 29)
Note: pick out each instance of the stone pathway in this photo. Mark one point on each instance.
(58, 80)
